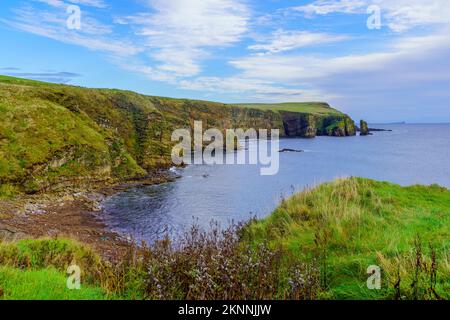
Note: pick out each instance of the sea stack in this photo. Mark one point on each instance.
(364, 128)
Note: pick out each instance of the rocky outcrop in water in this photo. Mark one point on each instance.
(364, 128)
(287, 150)
(379, 130)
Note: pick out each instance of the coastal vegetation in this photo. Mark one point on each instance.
(314, 108)
(317, 244)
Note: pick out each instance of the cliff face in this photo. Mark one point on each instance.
(299, 125)
(310, 126)
(55, 135)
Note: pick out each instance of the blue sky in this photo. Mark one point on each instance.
(243, 51)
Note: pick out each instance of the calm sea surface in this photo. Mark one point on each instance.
(410, 154)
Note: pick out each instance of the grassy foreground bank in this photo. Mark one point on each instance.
(351, 224)
(316, 245)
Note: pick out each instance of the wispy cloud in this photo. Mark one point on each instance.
(61, 3)
(52, 23)
(322, 7)
(282, 40)
(412, 74)
(55, 77)
(399, 15)
(10, 69)
(244, 89)
(301, 69)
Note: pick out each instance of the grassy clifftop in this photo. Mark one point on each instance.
(314, 108)
(56, 135)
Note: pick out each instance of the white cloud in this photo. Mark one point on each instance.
(93, 34)
(282, 40)
(49, 76)
(398, 15)
(180, 33)
(250, 89)
(61, 3)
(92, 3)
(403, 15)
(322, 7)
(197, 23)
(296, 69)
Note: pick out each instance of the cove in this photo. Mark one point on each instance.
(410, 154)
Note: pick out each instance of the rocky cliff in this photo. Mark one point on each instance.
(310, 126)
(56, 135)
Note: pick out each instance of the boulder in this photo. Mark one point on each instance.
(290, 150)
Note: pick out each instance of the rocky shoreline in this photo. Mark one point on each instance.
(72, 213)
(287, 150)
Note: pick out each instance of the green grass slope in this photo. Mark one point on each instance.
(351, 224)
(54, 136)
(36, 270)
(44, 143)
(45, 284)
(315, 108)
